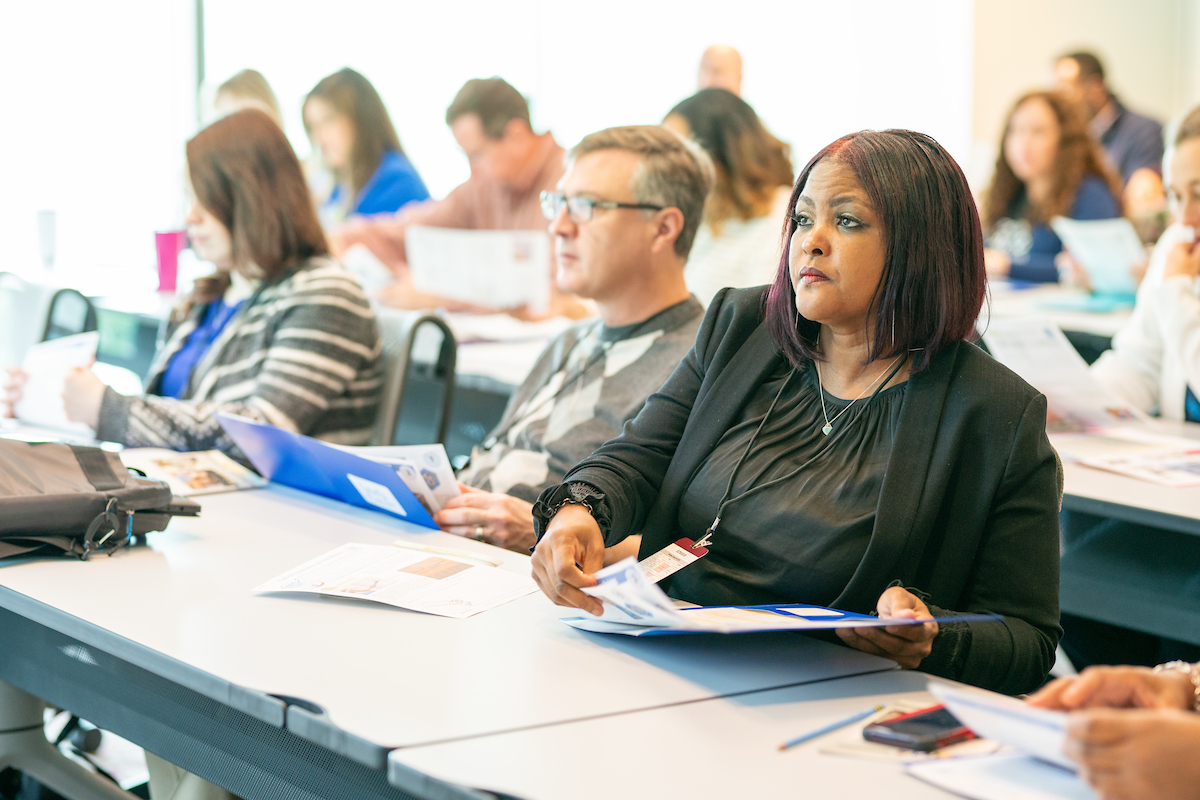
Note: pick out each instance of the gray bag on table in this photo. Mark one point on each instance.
(74, 500)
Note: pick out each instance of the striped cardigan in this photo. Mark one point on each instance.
(303, 355)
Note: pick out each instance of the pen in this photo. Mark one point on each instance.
(861, 715)
(446, 551)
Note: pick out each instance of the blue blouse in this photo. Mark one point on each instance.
(178, 373)
(394, 184)
(1032, 248)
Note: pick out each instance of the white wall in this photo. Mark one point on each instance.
(814, 70)
(97, 108)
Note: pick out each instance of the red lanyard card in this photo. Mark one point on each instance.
(671, 559)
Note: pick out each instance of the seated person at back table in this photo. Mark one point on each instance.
(740, 241)
(1048, 167)
(510, 167)
(1132, 141)
(1154, 364)
(929, 490)
(281, 333)
(594, 376)
(1134, 731)
(247, 89)
(349, 126)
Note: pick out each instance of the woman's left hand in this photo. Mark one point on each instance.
(1126, 754)
(905, 644)
(498, 519)
(82, 394)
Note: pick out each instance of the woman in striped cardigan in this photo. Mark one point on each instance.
(281, 333)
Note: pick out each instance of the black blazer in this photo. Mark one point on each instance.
(968, 509)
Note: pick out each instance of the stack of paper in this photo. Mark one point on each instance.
(438, 583)
(634, 606)
(1136, 452)
(1038, 770)
(491, 269)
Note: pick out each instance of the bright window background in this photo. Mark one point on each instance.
(814, 70)
(99, 100)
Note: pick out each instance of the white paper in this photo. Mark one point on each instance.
(440, 584)
(371, 273)
(1038, 732)
(491, 269)
(634, 606)
(376, 494)
(1038, 351)
(1107, 249)
(1003, 776)
(196, 473)
(46, 366)
(430, 460)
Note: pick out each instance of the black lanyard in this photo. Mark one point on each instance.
(726, 500)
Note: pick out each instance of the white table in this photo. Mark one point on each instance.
(1005, 302)
(725, 747)
(354, 679)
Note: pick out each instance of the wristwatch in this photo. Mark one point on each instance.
(1193, 673)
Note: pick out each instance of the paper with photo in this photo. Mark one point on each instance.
(195, 473)
(491, 269)
(429, 460)
(1038, 351)
(442, 584)
(46, 366)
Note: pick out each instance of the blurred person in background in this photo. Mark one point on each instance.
(247, 89)
(1132, 141)
(1048, 166)
(741, 239)
(348, 124)
(510, 167)
(1154, 364)
(281, 333)
(720, 68)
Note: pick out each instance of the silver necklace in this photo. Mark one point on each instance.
(828, 429)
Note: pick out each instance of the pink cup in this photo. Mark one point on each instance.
(169, 244)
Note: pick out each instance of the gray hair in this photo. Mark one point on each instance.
(674, 173)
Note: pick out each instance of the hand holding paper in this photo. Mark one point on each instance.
(47, 367)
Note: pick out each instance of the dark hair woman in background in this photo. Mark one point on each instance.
(739, 243)
(858, 451)
(1049, 166)
(347, 122)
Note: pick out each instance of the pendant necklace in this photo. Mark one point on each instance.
(828, 427)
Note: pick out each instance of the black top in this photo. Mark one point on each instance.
(967, 515)
(803, 529)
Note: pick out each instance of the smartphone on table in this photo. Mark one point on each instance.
(925, 730)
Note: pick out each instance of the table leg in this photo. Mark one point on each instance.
(23, 746)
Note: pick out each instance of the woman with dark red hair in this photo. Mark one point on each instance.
(840, 439)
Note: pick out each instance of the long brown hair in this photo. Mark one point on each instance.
(245, 173)
(353, 96)
(1079, 155)
(750, 163)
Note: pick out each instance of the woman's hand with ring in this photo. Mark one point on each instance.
(491, 517)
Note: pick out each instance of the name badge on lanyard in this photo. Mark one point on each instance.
(671, 559)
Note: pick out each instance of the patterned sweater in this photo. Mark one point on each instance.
(303, 354)
(587, 384)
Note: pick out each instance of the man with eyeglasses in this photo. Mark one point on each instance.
(623, 220)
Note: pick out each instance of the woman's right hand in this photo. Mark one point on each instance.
(14, 380)
(564, 561)
(1117, 687)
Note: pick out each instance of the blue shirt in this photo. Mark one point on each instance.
(1093, 200)
(394, 184)
(178, 373)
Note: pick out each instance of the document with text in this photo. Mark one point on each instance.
(491, 269)
(434, 583)
(46, 366)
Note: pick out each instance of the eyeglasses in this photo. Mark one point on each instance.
(580, 209)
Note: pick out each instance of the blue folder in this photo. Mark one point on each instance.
(310, 465)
